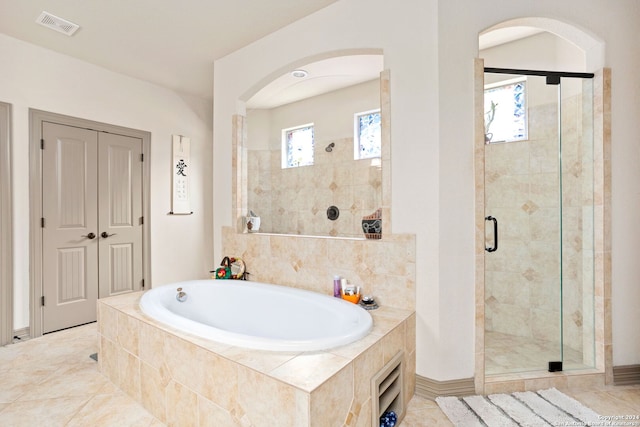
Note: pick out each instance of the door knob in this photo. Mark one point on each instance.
(89, 236)
(104, 234)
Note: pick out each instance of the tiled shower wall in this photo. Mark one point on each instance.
(283, 200)
(523, 292)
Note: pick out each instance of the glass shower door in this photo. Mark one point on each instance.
(523, 269)
(539, 223)
(578, 243)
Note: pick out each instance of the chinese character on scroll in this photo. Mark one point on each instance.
(181, 200)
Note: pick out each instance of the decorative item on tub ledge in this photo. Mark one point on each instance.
(180, 176)
(372, 225)
(230, 268)
(252, 222)
(368, 302)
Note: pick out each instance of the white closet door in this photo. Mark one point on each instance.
(120, 214)
(92, 210)
(69, 235)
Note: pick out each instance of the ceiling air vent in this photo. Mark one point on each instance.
(58, 24)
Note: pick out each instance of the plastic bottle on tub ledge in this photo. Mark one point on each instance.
(349, 292)
(336, 287)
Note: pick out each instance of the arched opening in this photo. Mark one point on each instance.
(539, 160)
(322, 98)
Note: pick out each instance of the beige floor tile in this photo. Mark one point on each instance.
(630, 396)
(45, 412)
(81, 379)
(111, 410)
(506, 353)
(8, 355)
(424, 412)
(17, 382)
(608, 401)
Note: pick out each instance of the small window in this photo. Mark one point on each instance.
(505, 118)
(297, 146)
(366, 135)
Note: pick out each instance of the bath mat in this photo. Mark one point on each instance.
(542, 408)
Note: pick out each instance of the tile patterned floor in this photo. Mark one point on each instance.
(51, 381)
(505, 353)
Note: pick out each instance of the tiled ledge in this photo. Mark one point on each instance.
(186, 380)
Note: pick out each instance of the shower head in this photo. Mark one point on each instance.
(330, 147)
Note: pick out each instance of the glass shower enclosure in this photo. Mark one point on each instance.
(539, 233)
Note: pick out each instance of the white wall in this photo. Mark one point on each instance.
(33, 77)
(429, 46)
(542, 51)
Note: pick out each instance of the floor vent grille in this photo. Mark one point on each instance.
(57, 24)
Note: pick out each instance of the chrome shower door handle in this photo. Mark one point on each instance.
(495, 234)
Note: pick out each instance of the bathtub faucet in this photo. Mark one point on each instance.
(181, 296)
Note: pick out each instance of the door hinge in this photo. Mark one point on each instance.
(142, 157)
(42, 300)
(41, 222)
(141, 220)
(42, 144)
(142, 283)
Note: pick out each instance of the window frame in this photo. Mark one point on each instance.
(285, 146)
(357, 152)
(504, 83)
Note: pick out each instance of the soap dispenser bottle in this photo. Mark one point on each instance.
(336, 287)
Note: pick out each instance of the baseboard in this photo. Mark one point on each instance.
(21, 334)
(430, 389)
(626, 375)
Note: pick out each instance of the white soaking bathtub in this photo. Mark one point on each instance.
(258, 315)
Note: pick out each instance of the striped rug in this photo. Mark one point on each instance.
(542, 408)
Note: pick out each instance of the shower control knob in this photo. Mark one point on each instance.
(333, 213)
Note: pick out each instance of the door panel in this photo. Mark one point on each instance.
(522, 192)
(70, 269)
(539, 286)
(120, 212)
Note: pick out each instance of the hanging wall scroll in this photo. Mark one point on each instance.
(181, 175)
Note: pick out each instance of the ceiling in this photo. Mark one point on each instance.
(497, 36)
(170, 43)
(322, 77)
(174, 43)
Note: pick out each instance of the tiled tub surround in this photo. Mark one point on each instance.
(185, 380)
(383, 268)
